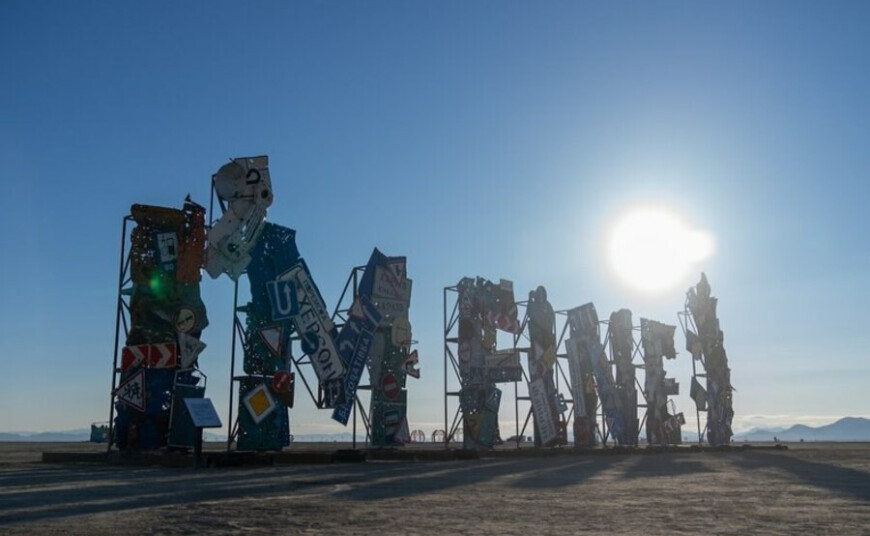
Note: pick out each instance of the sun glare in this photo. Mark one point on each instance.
(653, 250)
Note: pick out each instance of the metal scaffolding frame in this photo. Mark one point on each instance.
(451, 364)
(299, 361)
(122, 320)
(339, 316)
(688, 323)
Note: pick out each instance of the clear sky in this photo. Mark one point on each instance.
(500, 139)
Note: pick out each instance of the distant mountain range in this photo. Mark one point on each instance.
(84, 434)
(846, 429)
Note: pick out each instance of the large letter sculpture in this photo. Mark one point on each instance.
(549, 425)
(622, 351)
(582, 376)
(586, 335)
(384, 299)
(284, 300)
(484, 307)
(662, 426)
(707, 347)
(167, 317)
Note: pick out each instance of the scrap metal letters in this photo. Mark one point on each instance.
(709, 342)
(245, 186)
(354, 344)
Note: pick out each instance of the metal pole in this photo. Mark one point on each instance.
(232, 366)
(354, 425)
(119, 312)
(446, 432)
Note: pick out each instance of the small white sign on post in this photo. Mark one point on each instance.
(202, 413)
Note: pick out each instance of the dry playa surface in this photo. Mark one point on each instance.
(809, 489)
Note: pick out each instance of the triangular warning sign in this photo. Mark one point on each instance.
(272, 336)
(132, 391)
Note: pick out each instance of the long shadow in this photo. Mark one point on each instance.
(524, 473)
(567, 474)
(824, 475)
(653, 465)
(159, 487)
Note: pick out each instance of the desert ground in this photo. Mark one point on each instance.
(809, 489)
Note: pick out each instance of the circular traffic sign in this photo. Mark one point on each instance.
(390, 386)
(185, 320)
(281, 381)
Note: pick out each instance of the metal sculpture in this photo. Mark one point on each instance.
(582, 377)
(386, 290)
(285, 306)
(549, 423)
(484, 307)
(244, 189)
(707, 348)
(621, 342)
(268, 387)
(167, 316)
(586, 338)
(663, 423)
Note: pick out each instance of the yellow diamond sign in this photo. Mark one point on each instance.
(259, 403)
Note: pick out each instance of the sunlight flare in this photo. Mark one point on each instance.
(653, 250)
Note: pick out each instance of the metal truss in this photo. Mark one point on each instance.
(687, 323)
(122, 319)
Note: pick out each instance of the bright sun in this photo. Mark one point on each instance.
(652, 249)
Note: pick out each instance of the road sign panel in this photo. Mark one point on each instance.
(132, 356)
(390, 386)
(162, 355)
(283, 299)
(132, 391)
(259, 403)
(401, 332)
(202, 413)
(281, 381)
(185, 320)
(272, 337)
(189, 348)
(410, 365)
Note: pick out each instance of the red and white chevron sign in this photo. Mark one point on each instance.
(132, 356)
(161, 355)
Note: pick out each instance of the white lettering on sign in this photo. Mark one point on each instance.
(202, 413)
(307, 292)
(541, 409)
(389, 286)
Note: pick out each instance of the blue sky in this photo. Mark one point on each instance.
(499, 139)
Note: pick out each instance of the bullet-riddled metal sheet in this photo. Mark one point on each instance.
(245, 186)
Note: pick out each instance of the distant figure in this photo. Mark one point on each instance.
(775, 439)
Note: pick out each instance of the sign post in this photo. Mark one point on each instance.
(203, 415)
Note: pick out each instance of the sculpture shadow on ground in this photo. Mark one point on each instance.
(833, 477)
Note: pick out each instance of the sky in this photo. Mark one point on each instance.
(500, 139)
